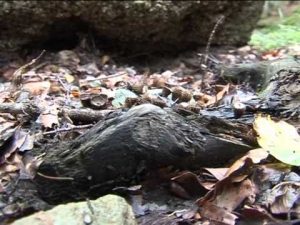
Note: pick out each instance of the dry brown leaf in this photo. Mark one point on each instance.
(256, 214)
(37, 88)
(231, 191)
(226, 197)
(218, 173)
(218, 214)
(157, 81)
(18, 140)
(233, 194)
(48, 120)
(283, 197)
(255, 155)
(222, 93)
(110, 81)
(49, 116)
(204, 99)
(269, 174)
(75, 93)
(187, 185)
(210, 176)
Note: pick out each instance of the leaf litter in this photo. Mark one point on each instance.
(256, 187)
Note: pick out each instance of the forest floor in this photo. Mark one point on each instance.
(191, 83)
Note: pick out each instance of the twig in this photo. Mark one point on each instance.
(203, 61)
(17, 75)
(55, 178)
(118, 74)
(211, 36)
(69, 129)
(66, 88)
(32, 109)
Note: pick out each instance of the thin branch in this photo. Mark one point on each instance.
(203, 61)
(17, 75)
(55, 178)
(33, 110)
(69, 129)
(211, 36)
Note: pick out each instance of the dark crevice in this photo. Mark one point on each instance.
(61, 35)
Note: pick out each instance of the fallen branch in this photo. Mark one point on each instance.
(124, 146)
(33, 110)
(65, 129)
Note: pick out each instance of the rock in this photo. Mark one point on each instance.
(107, 210)
(135, 26)
(282, 95)
(258, 74)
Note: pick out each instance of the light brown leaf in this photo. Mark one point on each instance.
(218, 214)
(37, 88)
(255, 155)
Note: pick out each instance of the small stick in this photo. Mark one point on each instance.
(69, 129)
(118, 74)
(55, 178)
(17, 75)
(211, 36)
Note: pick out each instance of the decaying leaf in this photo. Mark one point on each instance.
(232, 189)
(7, 129)
(255, 156)
(37, 88)
(218, 214)
(283, 197)
(187, 185)
(49, 117)
(17, 141)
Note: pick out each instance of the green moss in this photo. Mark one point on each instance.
(286, 32)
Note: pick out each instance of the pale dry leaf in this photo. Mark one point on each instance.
(279, 138)
(37, 88)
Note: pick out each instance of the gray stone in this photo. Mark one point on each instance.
(107, 210)
(137, 26)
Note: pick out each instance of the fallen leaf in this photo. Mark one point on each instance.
(283, 197)
(279, 138)
(222, 93)
(17, 141)
(255, 155)
(226, 197)
(120, 97)
(187, 185)
(37, 88)
(268, 175)
(256, 214)
(69, 78)
(49, 116)
(218, 214)
(218, 173)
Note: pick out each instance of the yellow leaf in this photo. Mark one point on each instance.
(69, 78)
(279, 138)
